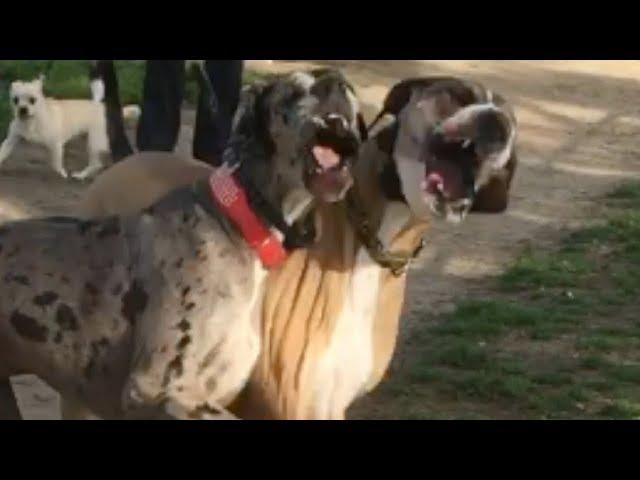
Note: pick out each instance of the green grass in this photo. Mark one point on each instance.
(540, 270)
(622, 410)
(559, 338)
(70, 79)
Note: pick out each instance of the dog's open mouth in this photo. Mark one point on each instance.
(444, 186)
(329, 173)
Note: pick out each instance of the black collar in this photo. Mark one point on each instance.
(397, 262)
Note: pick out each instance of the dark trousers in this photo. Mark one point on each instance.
(163, 94)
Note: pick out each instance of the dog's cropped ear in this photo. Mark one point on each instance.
(250, 138)
(40, 81)
(251, 109)
(494, 196)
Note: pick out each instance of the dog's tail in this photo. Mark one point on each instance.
(104, 72)
(96, 82)
(131, 113)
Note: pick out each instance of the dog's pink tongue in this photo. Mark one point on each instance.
(435, 182)
(326, 157)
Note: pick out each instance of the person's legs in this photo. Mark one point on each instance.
(159, 125)
(211, 134)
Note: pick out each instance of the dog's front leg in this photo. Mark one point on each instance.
(93, 167)
(57, 158)
(9, 409)
(140, 404)
(175, 410)
(8, 145)
(205, 411)
(96, 144)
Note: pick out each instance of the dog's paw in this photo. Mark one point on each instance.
(84, 174)
(63, 173)
(80, 176)
(177, 411)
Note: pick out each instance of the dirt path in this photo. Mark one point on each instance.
(579, 125)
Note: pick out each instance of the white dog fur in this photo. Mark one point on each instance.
(52, 123)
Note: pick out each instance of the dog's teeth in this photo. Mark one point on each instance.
(466, 143)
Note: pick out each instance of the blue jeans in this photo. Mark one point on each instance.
(163, 94)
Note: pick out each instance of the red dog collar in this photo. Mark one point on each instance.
(232, 200)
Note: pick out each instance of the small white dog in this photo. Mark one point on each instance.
(52, 123)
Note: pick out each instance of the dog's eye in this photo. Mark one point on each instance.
(16, 100)
(32, 100)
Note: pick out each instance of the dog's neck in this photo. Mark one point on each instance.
(266, 199)
(377, 199)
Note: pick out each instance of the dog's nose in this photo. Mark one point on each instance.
(23, 111)
(337, 123)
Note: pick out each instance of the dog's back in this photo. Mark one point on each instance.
(74, 289)
(138, 181)
(77, 116)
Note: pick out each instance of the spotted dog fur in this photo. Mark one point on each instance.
(156, 315)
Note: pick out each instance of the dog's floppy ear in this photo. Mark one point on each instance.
(362, 127)
(494, 196)
(251, 111)
(250, 138)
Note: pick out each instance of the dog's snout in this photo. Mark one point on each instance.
(23, 111)
(337, 123)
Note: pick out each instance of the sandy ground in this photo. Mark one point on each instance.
(579, 125)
